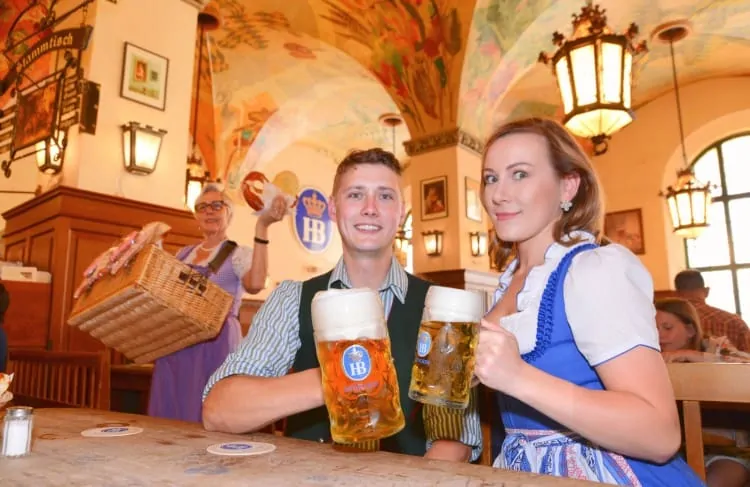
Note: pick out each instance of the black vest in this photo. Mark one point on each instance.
(403, 327)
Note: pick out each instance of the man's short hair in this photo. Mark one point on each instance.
(689, 280)
(368, 156)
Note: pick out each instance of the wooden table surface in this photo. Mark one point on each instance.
(174, 453)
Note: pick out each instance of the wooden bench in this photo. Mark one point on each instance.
(60, 379)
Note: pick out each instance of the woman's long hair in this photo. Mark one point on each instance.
(685, 312)
(567, 158)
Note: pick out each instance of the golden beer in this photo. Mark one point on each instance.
(360, 387)
(361, 405)
(444, 359)
(442, 375)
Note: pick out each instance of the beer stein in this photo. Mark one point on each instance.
(360, 386)
(444, 360)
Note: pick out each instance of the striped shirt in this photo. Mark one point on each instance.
(271, 345)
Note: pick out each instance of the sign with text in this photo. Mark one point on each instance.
(312, 222)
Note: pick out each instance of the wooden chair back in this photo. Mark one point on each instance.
(694, 383)
(60, 379)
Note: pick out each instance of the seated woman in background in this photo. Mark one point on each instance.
(681, 340)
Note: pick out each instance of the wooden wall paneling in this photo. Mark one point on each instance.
(27, 319)
(41, 248)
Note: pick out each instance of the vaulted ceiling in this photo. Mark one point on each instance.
(320, 73)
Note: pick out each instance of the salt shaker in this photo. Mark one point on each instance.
(17, 428)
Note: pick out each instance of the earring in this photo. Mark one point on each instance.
(566, 206)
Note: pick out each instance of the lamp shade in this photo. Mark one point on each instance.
(141, 146)
(594, 75)
(688, 202)
(433, 242)
(478, 242)
(50, 153)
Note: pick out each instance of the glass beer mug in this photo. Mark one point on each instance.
(360, 386)
(444, 360)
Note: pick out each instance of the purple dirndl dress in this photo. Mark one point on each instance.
(179, 378)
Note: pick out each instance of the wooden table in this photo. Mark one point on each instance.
(170, 453)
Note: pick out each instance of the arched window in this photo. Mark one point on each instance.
(407, 228)
(722, 252)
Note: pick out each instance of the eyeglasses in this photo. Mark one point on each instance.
(214, 205)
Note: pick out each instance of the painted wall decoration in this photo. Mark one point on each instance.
(501, 69)
(416, 50)
(20, 40)
(313, 226)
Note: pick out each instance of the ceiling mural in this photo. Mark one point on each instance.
(415, 48)
(514, 84)
(25, 34)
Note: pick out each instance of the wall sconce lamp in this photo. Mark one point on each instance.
(195, 178)
(141, 145)
(478, 243)
(433, 242)
(401, 242)
(50, 153)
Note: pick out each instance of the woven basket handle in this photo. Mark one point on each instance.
(194, 280)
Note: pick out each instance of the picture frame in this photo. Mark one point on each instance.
(626, 228)
(37, 114)
(144, 77)
(434, 202)
(473, 200)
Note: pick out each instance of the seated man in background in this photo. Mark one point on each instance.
(253, 387)
(715, 321)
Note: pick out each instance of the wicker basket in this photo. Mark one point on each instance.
(153, 307)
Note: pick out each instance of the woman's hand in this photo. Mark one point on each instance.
(498, 362)
(688, 356)
(274, 213)
(5, 398)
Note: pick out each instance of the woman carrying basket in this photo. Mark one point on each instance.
(179, 378)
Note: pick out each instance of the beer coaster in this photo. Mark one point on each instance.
(241, 448)
(111, 431)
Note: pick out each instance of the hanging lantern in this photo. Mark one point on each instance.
(689, 199)
(195, 178)
(594, 70)
(141, 145)
(688, 202)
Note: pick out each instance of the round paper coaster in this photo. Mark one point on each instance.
(112, 431)
(241, 448)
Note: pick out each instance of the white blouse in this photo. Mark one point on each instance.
(608, 301)
(242, 258)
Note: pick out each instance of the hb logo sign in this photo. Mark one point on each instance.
(312, 223)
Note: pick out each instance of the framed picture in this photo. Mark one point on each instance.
(473, 201)
(434, 198)
(626, 228)
(36, 117)
(144, 77)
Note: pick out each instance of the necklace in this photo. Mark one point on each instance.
(203, 246)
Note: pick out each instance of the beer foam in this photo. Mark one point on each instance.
(348, 314)
(450, 304)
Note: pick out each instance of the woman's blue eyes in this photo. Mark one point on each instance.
(519, 175)
(516, 175)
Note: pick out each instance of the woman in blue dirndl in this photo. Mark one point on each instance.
(571, 345)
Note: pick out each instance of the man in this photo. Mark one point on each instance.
(253, 387)
(714, 321)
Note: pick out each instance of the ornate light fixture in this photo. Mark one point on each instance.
(50, 153)
(392, 120)
(433, 242)
(478, 243)
(141, 145)
(689, 199)
(196, 175)
(401, 242)
(593, 70)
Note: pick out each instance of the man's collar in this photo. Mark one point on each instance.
(396, 279)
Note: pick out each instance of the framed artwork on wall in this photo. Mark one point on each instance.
(473, 200)
(144, 77)
(434, 193)
(626, 228)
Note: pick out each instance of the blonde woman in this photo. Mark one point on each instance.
(571, 344)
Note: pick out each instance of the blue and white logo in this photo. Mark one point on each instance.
(312, 222)
(424, 344)
(114, 430)
(356, 362)
(236, 446)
